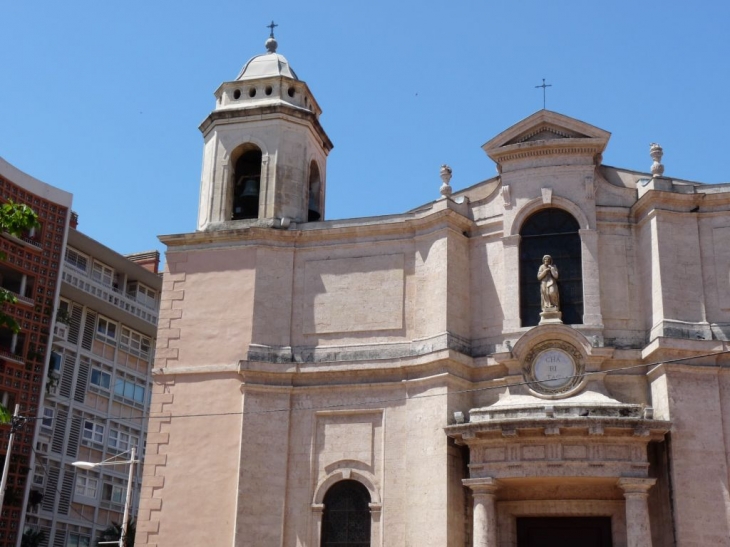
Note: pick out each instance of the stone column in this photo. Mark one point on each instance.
(485, 511)
(636, 492)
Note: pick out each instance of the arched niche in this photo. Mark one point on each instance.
(246, 162)
(555, 232)
(314, 193)
(537, 204)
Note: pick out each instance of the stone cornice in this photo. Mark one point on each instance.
(574, 147)
(233, 115)
(673, 202)
(408, 225)
(596, 426)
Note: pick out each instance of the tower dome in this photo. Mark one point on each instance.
(267, 64)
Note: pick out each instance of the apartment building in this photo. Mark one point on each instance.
(30, 270)
(97, 390)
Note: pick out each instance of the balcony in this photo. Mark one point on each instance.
(108, 294)
(8, 355)
(26, 241)
(18, 284)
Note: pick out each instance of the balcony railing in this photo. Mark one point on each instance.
(23, 240)
(22, 299)
(108, 294)
(8, 355)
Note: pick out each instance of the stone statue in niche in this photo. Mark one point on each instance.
(549, 294)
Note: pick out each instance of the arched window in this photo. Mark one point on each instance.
(551, 232)
(315, 191)
(246, 185)
(346, 518)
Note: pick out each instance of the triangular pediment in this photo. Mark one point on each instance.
(547, 129)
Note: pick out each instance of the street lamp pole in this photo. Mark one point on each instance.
(128, 501)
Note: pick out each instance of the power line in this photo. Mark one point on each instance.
(430, 395)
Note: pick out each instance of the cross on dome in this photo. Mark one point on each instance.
(272, 26)
(271, 43)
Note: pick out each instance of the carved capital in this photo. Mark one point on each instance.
(633, 486)
(486, 486)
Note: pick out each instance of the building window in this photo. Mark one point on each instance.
(39, 475)
(93, 432)
(346, 518)
(113, 493)
(551, 232)
(129, 390)
(146, 296)
(77, 260)
(76, 540)
(47, 420)
(103, 274)
(106, 331)
(142, 294)
(135, 343)
(121, 441)
(246, 185)
(101, 379)
(86, 486)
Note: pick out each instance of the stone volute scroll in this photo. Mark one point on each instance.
(549, 292)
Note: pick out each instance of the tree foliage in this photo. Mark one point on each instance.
(32, 538)
(15, 219)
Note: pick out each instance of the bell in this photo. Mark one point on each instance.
(250, 189)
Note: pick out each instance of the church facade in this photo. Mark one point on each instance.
(542, 356)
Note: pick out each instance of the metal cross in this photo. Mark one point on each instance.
(273, 25)
(543, 86)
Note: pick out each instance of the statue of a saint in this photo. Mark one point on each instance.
(548, 276)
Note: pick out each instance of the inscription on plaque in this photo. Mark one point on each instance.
(553, 368)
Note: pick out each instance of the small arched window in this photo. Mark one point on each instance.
(551, 232)
(315, 190)
(247, 185)
(346, 518)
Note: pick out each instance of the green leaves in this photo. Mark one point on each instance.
(16, 218)
(5, 415)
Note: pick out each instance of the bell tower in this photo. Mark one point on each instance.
(265, 152)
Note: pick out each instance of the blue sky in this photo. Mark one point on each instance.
(104, 99)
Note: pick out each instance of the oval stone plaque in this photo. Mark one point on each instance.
(553, 369)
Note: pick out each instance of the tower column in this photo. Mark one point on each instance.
(638, 528)
(485, 511)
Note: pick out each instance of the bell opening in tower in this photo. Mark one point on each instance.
(246, 189)
(315, 191)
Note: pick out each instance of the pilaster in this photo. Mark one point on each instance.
(511, 303)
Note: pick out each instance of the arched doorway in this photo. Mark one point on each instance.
(346, 520)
